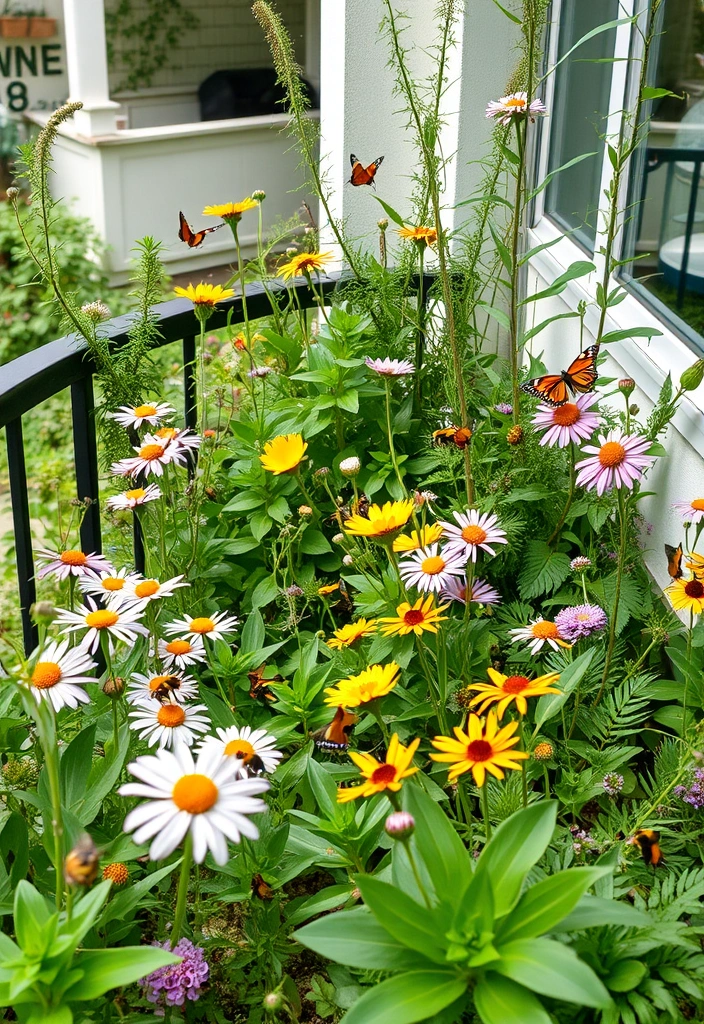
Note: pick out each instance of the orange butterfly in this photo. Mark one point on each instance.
(363, 175)
(193, 238)
(336, 735)
(554, 388)
(674, 560)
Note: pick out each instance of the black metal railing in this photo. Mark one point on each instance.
(29, 380)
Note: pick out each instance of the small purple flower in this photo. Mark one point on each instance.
(693, 793)
(400, 825)
(580, 564)
(581, 621)
(504, 408)
(260, 371)
(391, 367)
(612, 783)
(172, 986)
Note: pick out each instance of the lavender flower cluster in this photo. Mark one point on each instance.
(582, 841)
(693, 793)
(581, 621)
(172, 986)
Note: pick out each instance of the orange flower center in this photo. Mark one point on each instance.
(194, 793)
(433, 565)
(156, 681)
(146, 589)
(515, 102)
(117, 873)
(413, 617)
(384, 773)
(113, 583)
(479, 750)
(178, 647)
(73, 558)
(612, 454)
(171, 715)
(473, 535)
(545, 630)
(149, 452)
(565, 415)
(168, 433)
(202, 625)
(694, 589)
(698, 504)
(102, 619)
(136, 495)
(241, 749)
(46, 674)
(515, 684)
(145, 410)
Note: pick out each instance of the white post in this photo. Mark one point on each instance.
(87, 66)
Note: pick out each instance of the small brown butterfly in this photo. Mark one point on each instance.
(259, 690)
(336, 735)
(674, 560)
(363, 175)
(261, 888)
(193, 238)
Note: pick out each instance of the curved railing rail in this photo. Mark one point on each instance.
(66, 363)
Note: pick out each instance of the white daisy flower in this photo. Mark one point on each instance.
(135, 415)
(430, 570)
(202, 797)
(63, 564)
(152, 590)
(214, 627)
(113, 586)
(151, 457)
(169, 724)
(473, 532)
(252, 750)
(514, 107)
(143, 688)
(181, 653)
(121, 623)
(181, 440)
(390, 367)
(59, 675)
(132, 499)
(538, 633)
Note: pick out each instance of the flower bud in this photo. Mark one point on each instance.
(383, 224)
(319, 474)
(400, 825)
(259, 195)
(692, 376)
(348, 560)
(209, 433)
(291, 251)
(273, 1002)
(305, 510)
(350, 467)
(339, 538)
(43, 611)
(12, 193)
(543, 752)
(580, 564)
(113, 686)
(627, 386)
(294, 591)
(515, 434)
(95, 311)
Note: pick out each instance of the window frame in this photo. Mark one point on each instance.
(676, 349)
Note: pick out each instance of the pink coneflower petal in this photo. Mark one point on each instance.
(619, 460)
(573, 421)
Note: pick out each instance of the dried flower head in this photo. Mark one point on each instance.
(515, 434)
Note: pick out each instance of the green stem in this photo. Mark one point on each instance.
(513, 299)
(390, 435)
(546, 776)
(617, 595)
(184, 879)
(485, 810)
(524, 777)
(51, 761)
(568, 504)
(105, 644)
(687, 677)
(416, 875)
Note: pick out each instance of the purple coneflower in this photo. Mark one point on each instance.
(572, 421)
(617, 461)
(691, 511)
(63, 564)
(481, 592)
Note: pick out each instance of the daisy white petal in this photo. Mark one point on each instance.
(60, 674)
(252, 750)
(472, 532)
(133, 498)
(430, 569)
(215, 626)
(136, 415)
(169, 724)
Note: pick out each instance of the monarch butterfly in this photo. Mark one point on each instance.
(647, 842)
(459, 436)
(336, 735)
(363, 175)
(674, 560)
(193, 238)
(554, 388)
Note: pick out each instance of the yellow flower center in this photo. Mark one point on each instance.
(385, 773)
(241, 749)
(202, 625)
(156, 681)
(149, 452)
(178, 647)
(144, 410)
(565, 415)
(545, 630)
(515, 101)
(515, 684)
(117, 873)
(171, 715)
(167, 433)
(147, 588)
(113, 583)
(473, 535)
(102, 619)
(479, 750)
(46, 674)
(698, 504)
(73, 558)
(413, 616)
(694, 589)
(433, 565)
(194, 793)
(612, 454)
(136, 495)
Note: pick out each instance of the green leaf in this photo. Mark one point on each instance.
(633, 332)
(330, 898)
(32, 917)
(496, 314)
(104, 969)
(405, 919)
(59, 1015)
(349, 401)
(103, 777)
(625, 975)
(75, 767)
(607, 25)
(355, 938)
(436, 845)
(407, 998)
(544, 570)
(549, 705)
(541, 326)
(324, 789)
(390, 212)
(580, 268)
(512, 17)
(516, 846)
(544, 905)
(650, 93)
(553, 970)
(264, 592)
(253, 632)
(595, 912)
(548, 177)
(313, 542)
(498, 1000)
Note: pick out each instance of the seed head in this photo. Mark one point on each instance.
(515, 434)
(543, 751)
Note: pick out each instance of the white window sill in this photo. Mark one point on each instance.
(647, 362)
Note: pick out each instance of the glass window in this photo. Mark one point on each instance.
(578, 117)
(665, 235)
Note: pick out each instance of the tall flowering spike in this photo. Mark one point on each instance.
(618, 460)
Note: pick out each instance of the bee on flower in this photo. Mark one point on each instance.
(253, 751)
(169, 687)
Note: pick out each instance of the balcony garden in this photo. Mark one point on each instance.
(342, 691)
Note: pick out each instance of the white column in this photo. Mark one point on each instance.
(87, 66)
